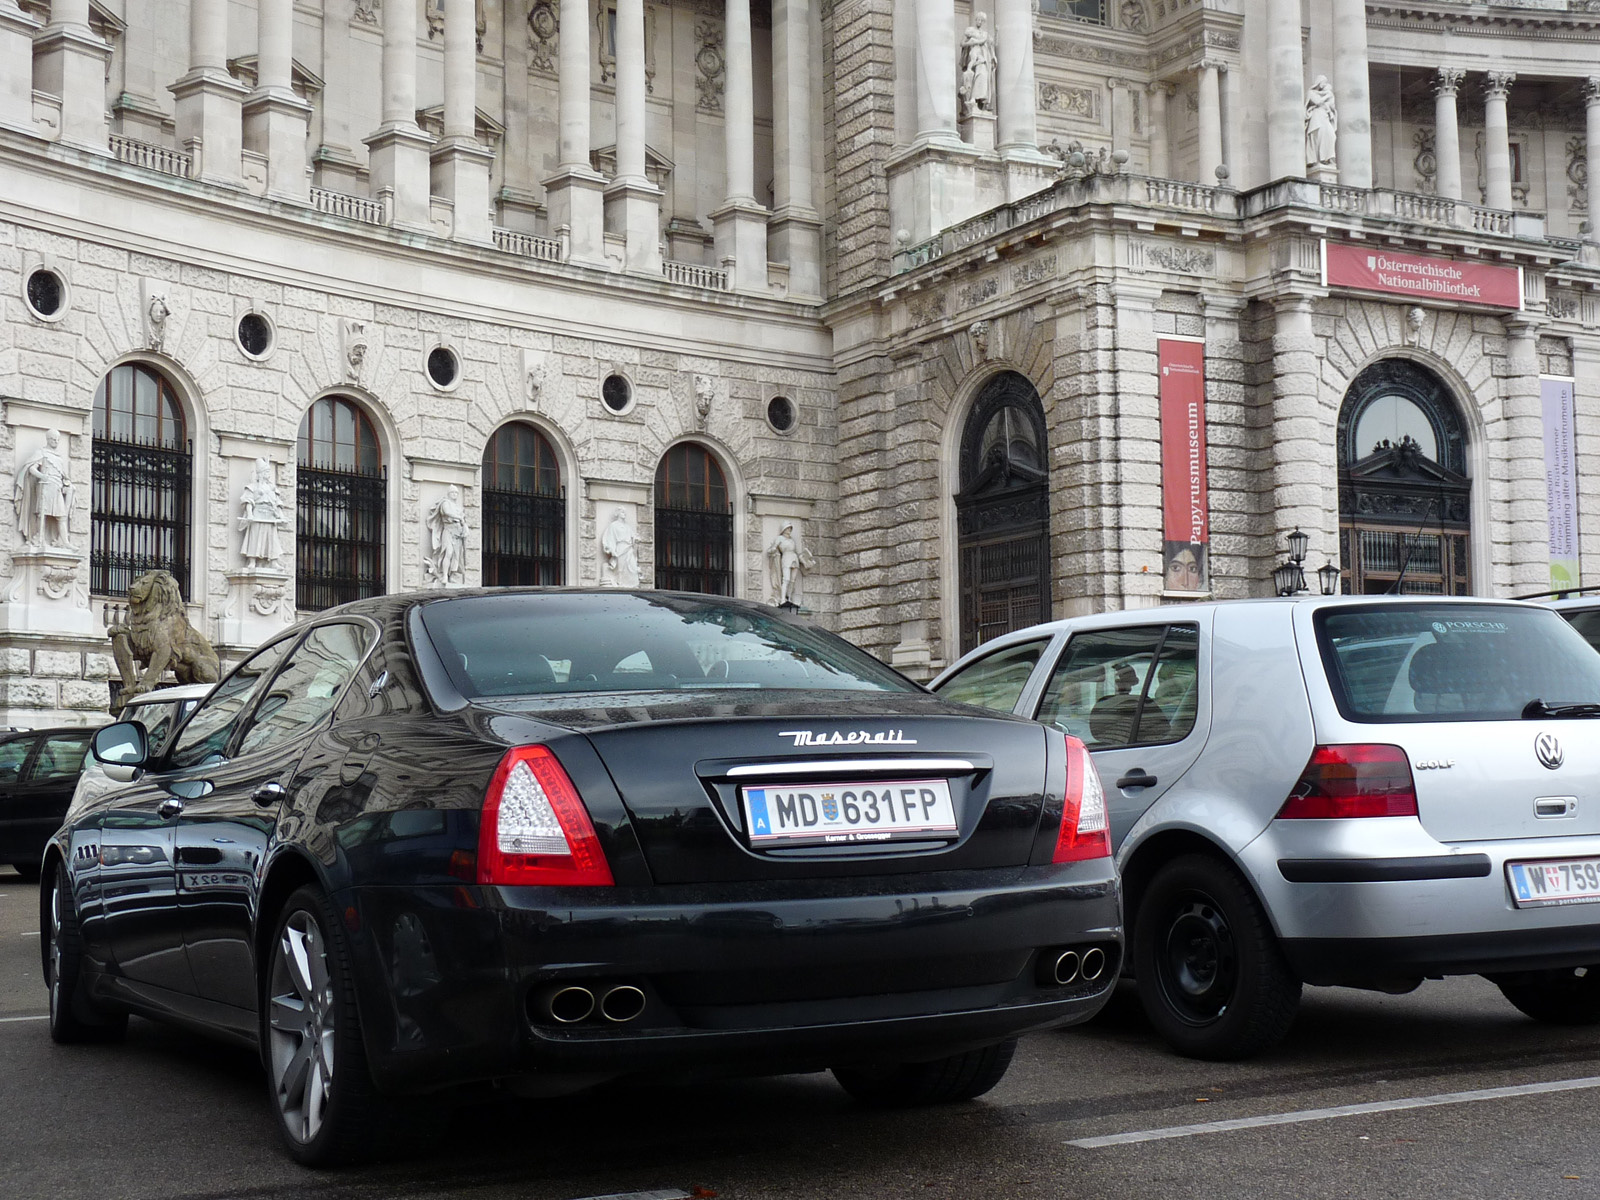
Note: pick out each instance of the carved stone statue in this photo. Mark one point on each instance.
(158, 635)
(977, 68)
(787, 560)
(620, 561)
(43, 496)
(156, 313)
(1322, 124)
(262, 512)
(704, 393)
(355, 350)
(447, 539)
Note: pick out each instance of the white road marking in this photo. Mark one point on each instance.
(31, 933)
(39, 1017)
(661, 1194)
(1344, 1110)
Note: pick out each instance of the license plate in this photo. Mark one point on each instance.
(846, 813)
(1537, 884)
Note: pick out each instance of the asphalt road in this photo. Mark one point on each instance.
(167, 1115)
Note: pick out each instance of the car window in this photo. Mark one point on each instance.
(1452, 662)
(996, 680)
(1102, 688)
(60, 757)
(305, 690)
(12, 755)
(208, 731)
(160, 721)
(1587, 622)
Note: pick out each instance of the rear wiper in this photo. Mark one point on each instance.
(1538, 708)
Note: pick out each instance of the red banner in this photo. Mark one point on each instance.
(1185, 509)
(1421, 277)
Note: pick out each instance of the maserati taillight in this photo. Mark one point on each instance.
(535, 829)
(1085, 832)
(1361, 780)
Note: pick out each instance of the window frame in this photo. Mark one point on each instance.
(1024, 700)
(1164, 629)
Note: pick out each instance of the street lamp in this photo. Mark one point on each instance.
(1289, 577)
(1298, 542)
(1328, 578)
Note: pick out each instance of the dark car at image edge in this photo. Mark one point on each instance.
(546, 838)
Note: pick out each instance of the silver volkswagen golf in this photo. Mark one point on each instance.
(1361, 791)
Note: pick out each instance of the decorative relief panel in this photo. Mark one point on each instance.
(544, 30)
(709, 65)
(976, 293)
(1577, 175)
(1426, 162)
(1072, 101)
(927, 308)
(1033, 272)
(606, 23)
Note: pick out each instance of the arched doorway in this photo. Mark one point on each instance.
(1404, 495)
(694, 522)
(341, 506)
(524, 509)
(140, 481)
(1003, 512)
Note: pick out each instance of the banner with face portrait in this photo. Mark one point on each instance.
(1186, 516)
(1561, 480)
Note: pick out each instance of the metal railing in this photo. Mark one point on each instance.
(139, 505)
(694, 551)
(339, 541)
(528, 245)
(524, 535)
(341, 204)
(151, 157)
(694, 275)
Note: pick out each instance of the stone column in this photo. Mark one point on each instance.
(1497, 140)
(573, 196)
(1591, 101)
(275, 119)
(633, 203)
(208, 120)
(69, 61)
(399, 148)
(1019, 124)
(17, 31)
(740, 224)
(1121, 112)
(1210, 123)
(936, 71)
(1304, 465)
(1160, 143)
(1525, 535)
(1286, 96)
(460, 164)
(1228, 85)
(1447, 134)
(905, 73)
(1352, 93)
(796, 226)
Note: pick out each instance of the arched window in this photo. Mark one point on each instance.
(694, 523)
(1003, 512)
(141, 481)
(341, 506)
(1404, 495)
(524, 510)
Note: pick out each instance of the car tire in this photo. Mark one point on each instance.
(1565, 998)
(1210, 974)
(322, 1094)
(73, 1017)
(28, 870)
(942, 1081)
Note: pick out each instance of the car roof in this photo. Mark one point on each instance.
(12, 735)
(166, 695)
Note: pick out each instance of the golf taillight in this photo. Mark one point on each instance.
(1085, 832)
(535, 829)
(1362, 780)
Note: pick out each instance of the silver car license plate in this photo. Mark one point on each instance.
(846, 813)
(1555, 881)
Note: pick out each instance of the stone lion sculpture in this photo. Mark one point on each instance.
(157, 634)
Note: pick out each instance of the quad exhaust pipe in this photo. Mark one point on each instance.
(571, 1003)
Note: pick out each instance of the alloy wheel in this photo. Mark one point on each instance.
(54, 934)
(301, 1026)
(1199, 963)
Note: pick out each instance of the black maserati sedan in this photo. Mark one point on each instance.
(545, 838)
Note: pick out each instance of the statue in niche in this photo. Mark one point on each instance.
(355, 350)
(43, 497)
(156, 313)
(704, 393)
(1322, 124)
(787, 560)
(447, 539)
(262, 512)
(620, 561)
(977, 68)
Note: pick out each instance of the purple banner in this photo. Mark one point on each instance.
(1561, 480)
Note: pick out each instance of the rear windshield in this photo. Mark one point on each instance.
(530, 644)
(1453, 662)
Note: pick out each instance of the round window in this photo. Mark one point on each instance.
(255, 335)
(780, 413)
(46, 293)
(443, 367)
(617, 393)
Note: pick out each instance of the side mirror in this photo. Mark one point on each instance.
(121, 745)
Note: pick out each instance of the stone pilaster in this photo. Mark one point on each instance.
(1160, 138)
(17, 31)
(1210, 122)
(1304, 464)
(574, 196)
(740, 223)
(460, 164)
(1591, 102)
(796, 226)
(399, 148)
(633, 203)
(1522, 527)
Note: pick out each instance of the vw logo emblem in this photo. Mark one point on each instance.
(1548, 750)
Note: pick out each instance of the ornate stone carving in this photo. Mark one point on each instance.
(1448, 81)
(446, 563)
(1035, 270)
(1577, 175)
(354, 336)
(1412, 333)
(534, 370)
(928, 308)
(710, 66)
(43, 496)
(56, 580)
(156, 314)
(978, 331)
(1561, 305)
(977, 68)
(262, 512)
(1426, 162)
(366, 11)
(619, 565)
(1131, 15)
(605, 21)
(1322, 124)
(1186, 260)
(1497, 84)
(1073, 102)
(266, 599)
(433, 12)
(976, 293)
(704, 393)
(157, 635)
(544, 31)
(787, 563)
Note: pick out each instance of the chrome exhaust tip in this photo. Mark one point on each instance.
(1066, 967)
(622, 1003)
(1094, 964)
(565, 1005)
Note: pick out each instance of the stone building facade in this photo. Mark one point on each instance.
(315, 300)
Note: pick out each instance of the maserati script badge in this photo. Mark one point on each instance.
(856, 737)
(1548, 750)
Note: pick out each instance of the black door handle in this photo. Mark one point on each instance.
(1136, 778)
(268, 794)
